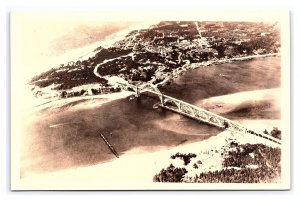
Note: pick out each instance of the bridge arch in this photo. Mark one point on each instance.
(195, 112)
(152, 88)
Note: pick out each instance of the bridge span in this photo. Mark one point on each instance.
(194, 112)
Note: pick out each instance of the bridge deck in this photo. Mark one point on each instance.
(200, 114)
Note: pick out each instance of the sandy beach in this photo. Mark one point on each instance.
(140, 166)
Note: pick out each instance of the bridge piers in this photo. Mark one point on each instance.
(137, 92)
(162, 101)
(195, 112)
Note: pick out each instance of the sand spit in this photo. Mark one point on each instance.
(139, 166)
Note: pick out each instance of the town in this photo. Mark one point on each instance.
(158, 54)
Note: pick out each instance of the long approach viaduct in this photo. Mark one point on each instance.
(194, 112)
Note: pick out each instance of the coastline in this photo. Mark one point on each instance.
(39, 105)
(185, 67)
(208, 151)
(139, 153)
(139, 158)
(42, 103)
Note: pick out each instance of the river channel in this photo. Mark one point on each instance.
(134, 124)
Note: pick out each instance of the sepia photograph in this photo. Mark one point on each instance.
(150, 101)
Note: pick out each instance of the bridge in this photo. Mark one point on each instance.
(194, 112)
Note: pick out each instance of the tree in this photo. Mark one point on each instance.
(276, 133)
(171, 174)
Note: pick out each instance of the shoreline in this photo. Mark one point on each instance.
(61, 102)
(175, 73)
(208, 151)
(214, 142)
